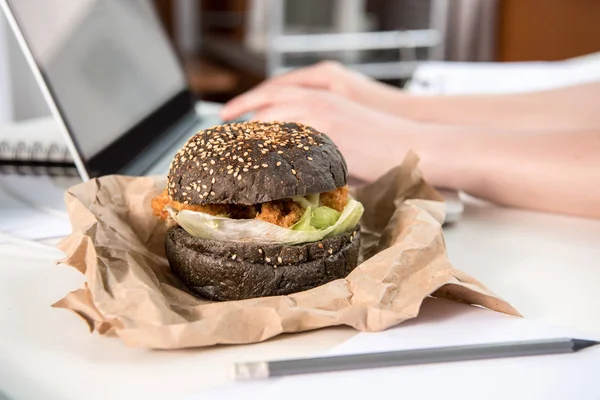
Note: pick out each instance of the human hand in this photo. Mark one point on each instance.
(327, 76)
(372, 142)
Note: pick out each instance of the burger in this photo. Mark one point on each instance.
(258, 209)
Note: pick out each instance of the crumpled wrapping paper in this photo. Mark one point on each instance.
(130, 291)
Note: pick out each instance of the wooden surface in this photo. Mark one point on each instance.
(531, 30)
(164, 8)
(208, 78)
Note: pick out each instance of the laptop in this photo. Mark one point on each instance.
(115, 85)
(112, 81)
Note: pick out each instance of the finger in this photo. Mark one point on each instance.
(299, 112)
(260, 97)
(245, 103)
(278, 113)
(315, 76)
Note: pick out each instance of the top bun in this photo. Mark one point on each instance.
(255, 162)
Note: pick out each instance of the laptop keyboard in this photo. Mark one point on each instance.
(161, 166)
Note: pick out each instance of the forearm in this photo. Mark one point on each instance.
(572, 107)
(556, 172)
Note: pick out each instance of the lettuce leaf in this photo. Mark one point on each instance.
(323, 217)
(207, 226)
(305, 221)
(311, 200)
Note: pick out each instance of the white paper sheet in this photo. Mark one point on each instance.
(443, 323)
(452, 78)
(32, 207)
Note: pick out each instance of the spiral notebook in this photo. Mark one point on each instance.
(34, 147)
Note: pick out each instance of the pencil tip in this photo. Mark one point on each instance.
(580, 344)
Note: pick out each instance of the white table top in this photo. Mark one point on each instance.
(547, 266)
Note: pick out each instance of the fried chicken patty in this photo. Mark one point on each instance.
(284, 212)
(336, 199)
(280, 212)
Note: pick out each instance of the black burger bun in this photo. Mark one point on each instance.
(219, 270)
(255, 162)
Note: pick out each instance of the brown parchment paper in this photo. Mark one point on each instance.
(131, 293)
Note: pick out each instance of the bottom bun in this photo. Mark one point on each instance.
(218, 270)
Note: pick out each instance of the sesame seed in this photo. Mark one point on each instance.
(265, 165)
(260, 251)
(213, 180)
(256, 167)
(305, 147)
(309, 158)
(212, 193)
(233, 257)
(279, 260)
(293, 171)
(278, 163)
(239, 177)
(267, 259)
(330, 251)
(211, 171)
(280, 152)
(204, 186)
(212, 162)
(230, 167)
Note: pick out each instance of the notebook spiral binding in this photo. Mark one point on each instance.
(35, 158)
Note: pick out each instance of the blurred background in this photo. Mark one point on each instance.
(228, 46)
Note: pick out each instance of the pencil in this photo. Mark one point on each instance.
(267, 369)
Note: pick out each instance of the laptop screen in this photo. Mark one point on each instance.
(109, 67)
